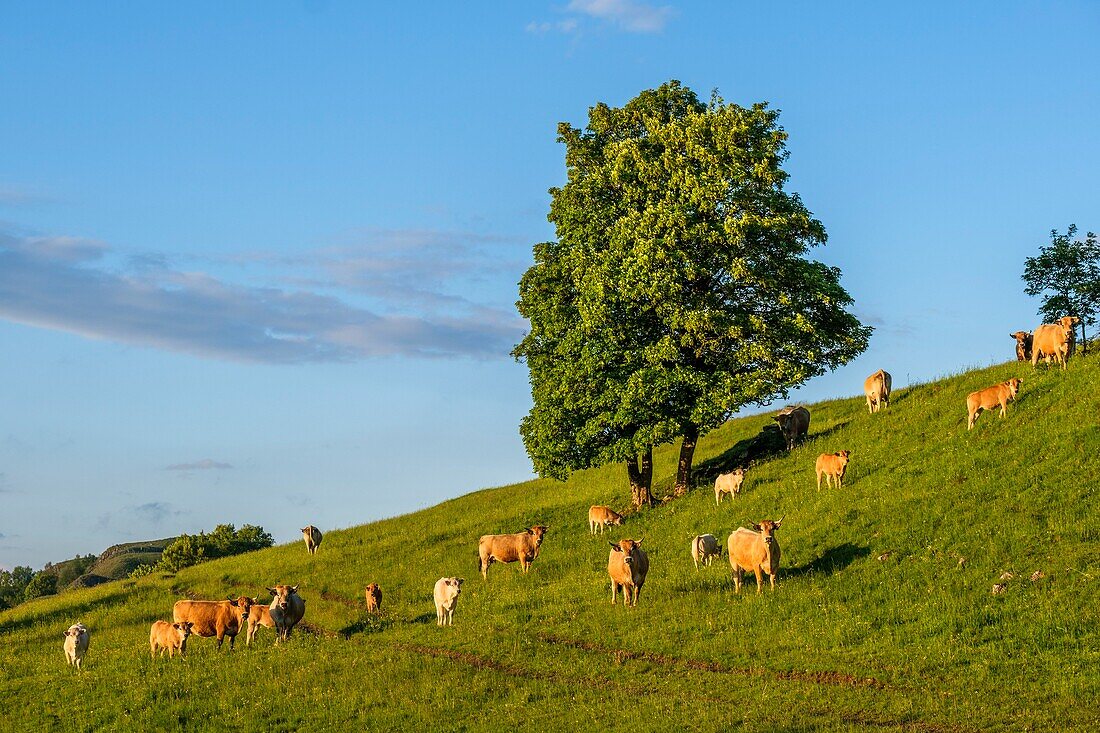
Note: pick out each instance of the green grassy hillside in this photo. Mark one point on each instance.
(883, 620)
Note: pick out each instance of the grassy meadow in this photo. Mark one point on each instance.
(883, 620)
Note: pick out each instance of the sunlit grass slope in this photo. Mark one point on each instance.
(884, 618)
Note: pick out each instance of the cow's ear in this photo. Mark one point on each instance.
(460, 580)
(528, 530)
(188, 624)
(272, 591)
(615, 547)
(231, 602)
(777, 523)
(756, 527)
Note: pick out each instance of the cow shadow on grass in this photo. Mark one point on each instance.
(832, 560)
(423, 618)
(764, 446)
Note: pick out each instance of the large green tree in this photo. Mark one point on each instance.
(1066, 275)
(677, 290)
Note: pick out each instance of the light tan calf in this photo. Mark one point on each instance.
(729, 483)
(603, 516)
(312, 537)
(259, 615)
(446, 599)
(374, 598)
(877, 389)
(164, 636)
(523, 546)
(628, 565)
(704, 548)
(988, 398)
(832, 466)
(76, 644)
(757, 551)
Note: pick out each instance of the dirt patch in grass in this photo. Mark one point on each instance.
(841, 679)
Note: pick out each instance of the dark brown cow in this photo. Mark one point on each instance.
(794, 423)
(1023, 345)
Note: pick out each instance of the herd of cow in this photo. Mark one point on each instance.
(755, 549)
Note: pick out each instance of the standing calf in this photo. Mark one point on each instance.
(704, 548)
(287, 609)
(627, 564)
(603, 516)
(76, 644)
(728, 483)
(374, 598)
(756, 551)
(988, 398)
(446, 598)
(833, 467)
(164, 636)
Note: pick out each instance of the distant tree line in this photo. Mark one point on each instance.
(191, 549)
(24, 584)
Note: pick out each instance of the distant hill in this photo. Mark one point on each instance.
(952, 584)
(117, 561)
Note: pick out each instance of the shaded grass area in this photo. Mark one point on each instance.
(883, 620)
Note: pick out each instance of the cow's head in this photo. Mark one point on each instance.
(372, 588)
(76, 630)
(281, 595)
(843, 456)
(1021, 337)
(1014, 385)
(783, 419)
(628, 548)
(538, 531)
(244, 603)
(183, 629)
(617, 519)
(1068, 322)
(767, 529)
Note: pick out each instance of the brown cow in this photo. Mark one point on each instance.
(603, 516)
(164, 636)
(988, 398)
(259, 615)
(794, 423)
(523, 546)
(214, 618)
(287, 609)
(756, 551)
(728, 483)
(312, 537)
(1054, 340)
(627, 564)
(1023, 345)
(832, 466)
(374, 598)
(877, 389)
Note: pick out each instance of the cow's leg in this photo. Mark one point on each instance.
(772, 577)
(819, 481)
(614, 592)
(759, 578)
(737, 580)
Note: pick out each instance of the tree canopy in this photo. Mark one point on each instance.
(677, 290)
(1066, 275)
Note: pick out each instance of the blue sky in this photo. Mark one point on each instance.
(258, 262)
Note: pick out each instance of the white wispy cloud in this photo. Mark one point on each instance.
(206, 464)
(569, 25)
(67, 284)
(629, 15)
(138, 517)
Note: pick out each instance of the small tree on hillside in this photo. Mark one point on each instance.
(677, 291)
(1066, 275)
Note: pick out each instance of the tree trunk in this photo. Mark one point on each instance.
(640, 472)
(1084, 341)
(687, 452)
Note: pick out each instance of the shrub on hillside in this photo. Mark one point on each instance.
(223, 541)
(44, 583)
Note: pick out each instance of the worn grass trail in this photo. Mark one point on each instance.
(884, 618)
